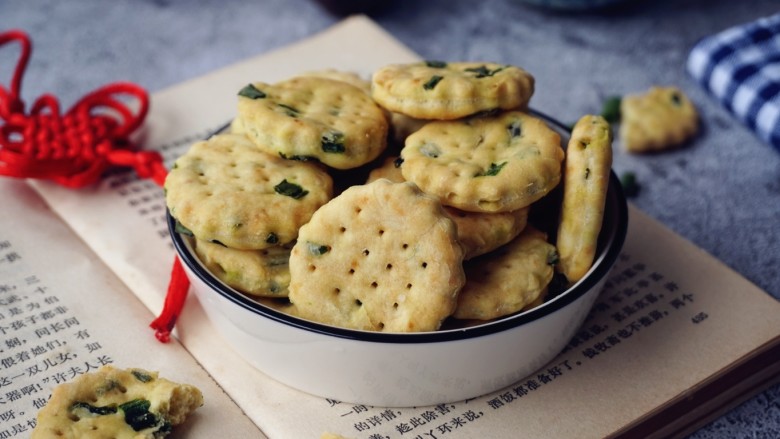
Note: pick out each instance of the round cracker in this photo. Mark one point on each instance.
(226, 190)
(446, 91)
(478, 232)
(497, 163)
(264, 272)
(381, 257)
(316, 118)
(508, 279)
(481, 233)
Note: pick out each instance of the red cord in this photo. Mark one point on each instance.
(75, 149)
(174, 303)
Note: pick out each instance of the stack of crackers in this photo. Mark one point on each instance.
(399, 204)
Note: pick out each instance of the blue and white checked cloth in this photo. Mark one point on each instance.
(740, 66)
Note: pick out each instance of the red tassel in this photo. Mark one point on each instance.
(174, 303)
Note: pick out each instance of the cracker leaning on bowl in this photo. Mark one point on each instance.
(586, 178)
(461, 189)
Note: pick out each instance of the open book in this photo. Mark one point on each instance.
(674, 339)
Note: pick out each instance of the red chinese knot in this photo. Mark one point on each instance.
(76, 148)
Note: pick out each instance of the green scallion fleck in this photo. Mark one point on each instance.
(483, 72)
(514, 129)
(290, 190)
(317, 249)
(629, 184)
(492, 170)
(299, 158)
(333, 142)
(105, 410)
(432, 82)
(290, 111)
(436, 64)
(164, 429)
(272, 238)
(676, 99)
(553, 258)
(137, 414)
(141, 376)
(611, 109)
(251, 92)
(430, 150)
(179, 228)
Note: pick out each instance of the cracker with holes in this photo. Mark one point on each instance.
(439, 90)
(380, 257)
(226, 190)
(508, 279)
(585, 183)
(660, 119)
(313, 118)
(497, 163)
(264, 272)
(116, 403)
(350, 78)
(478, 232)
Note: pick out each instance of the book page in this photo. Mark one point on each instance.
(63, 313)
(669, 318)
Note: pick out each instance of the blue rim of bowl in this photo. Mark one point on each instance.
(615, 219)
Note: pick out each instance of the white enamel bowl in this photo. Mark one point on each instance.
(401, 370)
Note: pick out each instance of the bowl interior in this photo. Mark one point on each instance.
(611, 239)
